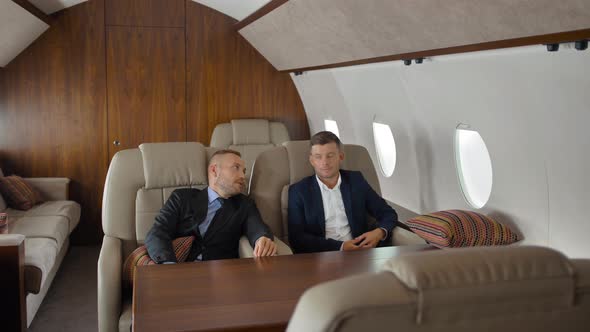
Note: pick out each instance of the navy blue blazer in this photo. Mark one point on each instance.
(307, 222)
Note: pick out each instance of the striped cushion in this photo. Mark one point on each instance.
(18, 193)
(457, 228)
(139, 256)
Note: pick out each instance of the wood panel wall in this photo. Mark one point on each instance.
(228, 79)
(145, 102)
(53, 110)
(96, 69)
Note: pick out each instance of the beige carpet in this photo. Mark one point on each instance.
(70, 304)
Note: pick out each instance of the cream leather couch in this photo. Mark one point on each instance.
(504, 289)
(250, 137)
(276, 169)
(46, 227)
(138, 183)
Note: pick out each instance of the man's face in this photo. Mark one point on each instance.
(326, 160)
(230, 174)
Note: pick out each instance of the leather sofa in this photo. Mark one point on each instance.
(138, 183)
(468, 289)
(276, 169)
(46, 227)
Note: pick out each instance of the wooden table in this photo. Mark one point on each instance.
(257, 294)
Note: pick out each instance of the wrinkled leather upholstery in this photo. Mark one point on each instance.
(466, 289)
(138, 183)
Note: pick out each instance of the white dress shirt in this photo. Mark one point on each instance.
(337, 226)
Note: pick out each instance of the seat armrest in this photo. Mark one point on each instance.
(402, 237)
(52, 189)
(110, 264)
(246, 250)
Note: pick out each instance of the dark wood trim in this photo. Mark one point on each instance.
(34, 10)
(12, 286)
(560, 37)
(269, 7)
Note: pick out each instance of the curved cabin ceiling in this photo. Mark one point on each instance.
(237, 9)
(309, 33)
(18, 29)
(52, 6)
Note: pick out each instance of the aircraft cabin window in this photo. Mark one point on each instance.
(331, 125)
(474, 166)
(385, 146)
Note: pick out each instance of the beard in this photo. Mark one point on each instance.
(228, 187)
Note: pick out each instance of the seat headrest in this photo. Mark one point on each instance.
(356, 158)
(463, 267)
(251, 131)
(468, 281)
(299, 166)
(174, 164)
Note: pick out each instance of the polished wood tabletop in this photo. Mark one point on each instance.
(257, 294)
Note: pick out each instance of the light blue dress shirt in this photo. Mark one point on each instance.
(215, 203)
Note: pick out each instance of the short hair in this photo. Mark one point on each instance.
(222, 152)
(323, 138)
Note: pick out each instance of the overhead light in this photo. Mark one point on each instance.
(581, 45)
(407, 62)
(552, 47)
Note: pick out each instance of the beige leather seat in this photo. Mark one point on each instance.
(138, 183)
(276, 169)
(469, 289)
(250, 137)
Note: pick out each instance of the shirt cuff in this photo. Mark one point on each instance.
(168, 262)
(386, 233)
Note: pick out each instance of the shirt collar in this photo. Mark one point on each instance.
(212, 194)
(323, 185)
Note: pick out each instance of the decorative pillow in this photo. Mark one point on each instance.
(458, 228)
(18, 193)
(139, 256)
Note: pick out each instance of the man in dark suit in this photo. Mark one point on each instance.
(328, 210)
(217, 216)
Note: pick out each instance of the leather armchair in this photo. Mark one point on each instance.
(138, 183)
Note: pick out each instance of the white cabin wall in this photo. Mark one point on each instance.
(530, 106)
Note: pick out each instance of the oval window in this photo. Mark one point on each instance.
(474, 166)
(331, 125)
(385, 146)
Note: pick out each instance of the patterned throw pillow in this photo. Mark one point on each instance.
(139, 256)
(18, 193)
(458, 228)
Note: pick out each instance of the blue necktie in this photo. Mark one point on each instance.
(212, 209)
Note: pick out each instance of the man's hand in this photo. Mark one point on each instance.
(370, 239)
(264, 247)
(351, 245)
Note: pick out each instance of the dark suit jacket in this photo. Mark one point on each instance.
(307, 222)
(183, 212)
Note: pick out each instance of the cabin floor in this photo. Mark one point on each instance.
(71, 303)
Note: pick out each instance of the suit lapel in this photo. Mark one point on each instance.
(200, 207)
(317, 199)
(346, 192)
(222, 217)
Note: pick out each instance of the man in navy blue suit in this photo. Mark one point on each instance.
(328, 210)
